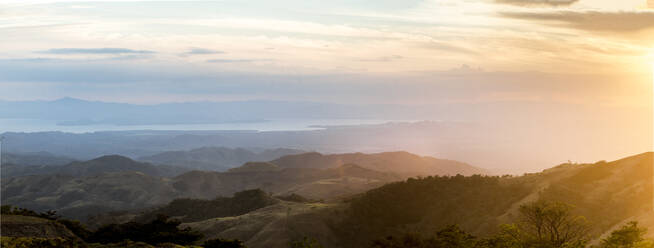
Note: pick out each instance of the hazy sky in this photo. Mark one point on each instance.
(586, 64)
(410, 51)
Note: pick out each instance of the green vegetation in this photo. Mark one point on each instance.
(27, 242)
(11, 210)
(604, 195)
(160, 230)
(428, 204)
(547, 224)
(294, 198)
(223, 243)
(306, 242)
(190, 210)
(543, 225)
(629, 236)
(568, 206)
(451, 236)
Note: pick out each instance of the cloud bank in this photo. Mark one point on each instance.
(594, 21)
(104, 50)
(538, 2)
(201, 51)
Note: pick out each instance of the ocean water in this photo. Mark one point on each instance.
(37, 125)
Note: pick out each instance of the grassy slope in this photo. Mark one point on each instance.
(274, 226)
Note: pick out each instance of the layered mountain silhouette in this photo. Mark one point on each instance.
(34, 158)
(607, 194)
(216, 158)
(401, 163)
(104, 164)
(80, 189)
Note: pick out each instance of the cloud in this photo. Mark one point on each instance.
(538, 2)
(444, 46)
(236, 60)
(383, 59)
(104, 50)
(595, 21)
(200, 51)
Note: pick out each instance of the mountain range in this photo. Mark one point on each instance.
(34, 158)
(360, 204)
(216, 158)
(94, 167)
(80, 189)
(607, 194)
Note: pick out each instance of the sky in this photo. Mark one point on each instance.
(587, 64)
(405, 52)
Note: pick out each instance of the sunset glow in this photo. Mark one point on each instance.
(327, 124)
(585, 60)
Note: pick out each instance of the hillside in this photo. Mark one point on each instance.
(401, 163)
(309, 182)
(34, 158)
(274, 226)
(76, 197)
(607, 194)
(28, 231)
(189, 210)
(104, 164)
(216, 158)
(115, 163)
(111, 183)
(255, 167)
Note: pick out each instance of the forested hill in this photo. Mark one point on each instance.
(401, 163)
(607, 194)
(216, 158)
(94, 167)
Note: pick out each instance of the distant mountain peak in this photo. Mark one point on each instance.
(255, 167)
(113, 159)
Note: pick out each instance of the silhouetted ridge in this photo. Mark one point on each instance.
(255, 167)
(401, 163)
(110, 159)
(216, 158)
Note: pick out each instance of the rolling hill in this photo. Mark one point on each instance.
(34, 158)
(608, 194)
(110, 183)
(401, 163)
(104, 164)
(216, 158)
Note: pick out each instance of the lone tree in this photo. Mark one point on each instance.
(547, 224)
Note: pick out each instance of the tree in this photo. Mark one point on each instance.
(408, 240)
(223, 243)
(160, 230)
(306, 243)
(628, 236)
(453, 236)
(449, 237)
(545, 224)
